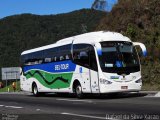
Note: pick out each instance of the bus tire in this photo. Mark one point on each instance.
(35, 90)
(78, 91)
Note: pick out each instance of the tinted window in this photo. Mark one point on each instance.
(49, 55)
(81, 54)
(84, 55)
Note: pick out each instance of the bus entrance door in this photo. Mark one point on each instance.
(94, 81)
(93, 72)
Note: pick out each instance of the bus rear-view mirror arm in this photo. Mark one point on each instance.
(142, 46)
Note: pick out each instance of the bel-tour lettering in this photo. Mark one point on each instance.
(62, 67)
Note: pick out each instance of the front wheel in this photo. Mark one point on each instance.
(78, 91)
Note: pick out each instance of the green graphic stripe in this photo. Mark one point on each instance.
(49, 80)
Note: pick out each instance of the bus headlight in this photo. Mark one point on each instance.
(104, 81)
(138, 81)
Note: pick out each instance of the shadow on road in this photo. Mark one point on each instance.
(96, 96)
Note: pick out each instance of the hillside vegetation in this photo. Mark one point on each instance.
(139, 20)
(26, 31)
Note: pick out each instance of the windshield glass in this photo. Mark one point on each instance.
(119, 57)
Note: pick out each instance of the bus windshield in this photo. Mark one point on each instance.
(119, 57)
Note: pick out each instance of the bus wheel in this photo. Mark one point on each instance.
(78, 91)
(35, 90)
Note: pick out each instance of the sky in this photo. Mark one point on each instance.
(44, 7)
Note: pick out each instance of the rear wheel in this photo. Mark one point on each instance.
(35, 90)
(78, 91)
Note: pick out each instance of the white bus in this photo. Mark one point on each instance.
(96, 62)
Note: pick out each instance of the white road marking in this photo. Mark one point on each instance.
(16, 107)
(38, 109)
(86, 116)
(73, 100)
(1, 105)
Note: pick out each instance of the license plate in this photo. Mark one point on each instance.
(124, 87)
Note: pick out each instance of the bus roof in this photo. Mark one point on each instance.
(89, 38)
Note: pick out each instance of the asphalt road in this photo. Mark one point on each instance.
(66, 107)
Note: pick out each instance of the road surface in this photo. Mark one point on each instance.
(59, 107)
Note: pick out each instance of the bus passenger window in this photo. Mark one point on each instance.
(67, 57)
(55, 58)
(81, 54)
(47, 60)
(40, 61)
(61, 58)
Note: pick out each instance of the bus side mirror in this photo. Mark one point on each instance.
(142, 46)
(99, 48)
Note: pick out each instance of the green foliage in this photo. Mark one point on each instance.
(27, 31)
(131, 31)
(9, 86)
